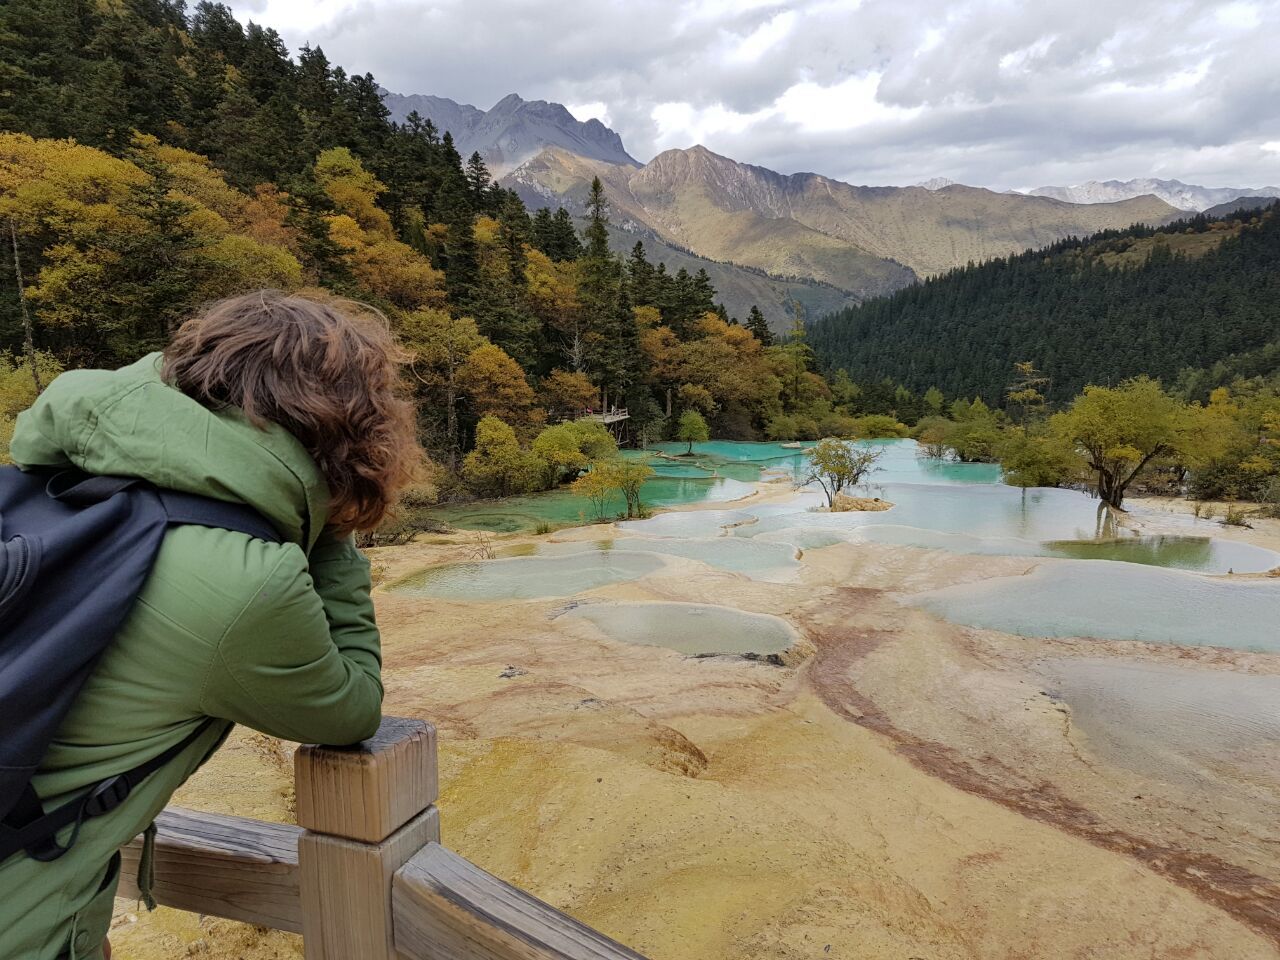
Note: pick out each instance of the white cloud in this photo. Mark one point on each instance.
(292, 16)
(876, 91)
(840, 106)
(765, 37)
(1243, 16)
(595, 110)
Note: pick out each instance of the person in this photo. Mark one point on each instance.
(292, 407)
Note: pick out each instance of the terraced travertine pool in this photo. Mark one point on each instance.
(692, 628)
(527, 578)
(1119, 601)
(1111, 590)
(1159, 745)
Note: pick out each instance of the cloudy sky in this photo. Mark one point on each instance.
(1000, 94)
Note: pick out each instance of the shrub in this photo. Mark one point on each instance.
(1236, 516)
(498, 466)
(567, 448)
(879, 426)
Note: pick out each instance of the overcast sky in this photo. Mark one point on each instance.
(997, 94)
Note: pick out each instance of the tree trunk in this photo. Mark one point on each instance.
(451, 420)
(28, 336)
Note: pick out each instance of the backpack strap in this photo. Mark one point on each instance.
(37, 835)
(187, 508)
(77, 489)
(25, 826)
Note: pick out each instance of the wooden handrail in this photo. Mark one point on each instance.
(225, 866)
(447, 908)
(363, 876)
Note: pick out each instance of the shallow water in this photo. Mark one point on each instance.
(956, 507)
(1201, 554)
(563, 507)
(758, 560)
(527, 578)
(1088, 598)
(1175, 723)
(691, 628)
(719, 470)
(689, 523)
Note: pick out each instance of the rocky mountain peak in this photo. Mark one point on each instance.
(513, 130)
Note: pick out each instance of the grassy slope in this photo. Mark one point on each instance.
(857, 238)
(932, 231)
(558, 178)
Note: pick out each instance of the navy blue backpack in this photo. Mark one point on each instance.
(75, 551)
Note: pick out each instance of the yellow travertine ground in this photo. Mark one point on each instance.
(901, 788)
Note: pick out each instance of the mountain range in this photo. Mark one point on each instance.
(513, 130)
(865, 240)
(1184, 196)
(776, 239)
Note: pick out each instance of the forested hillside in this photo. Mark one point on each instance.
(153, 160)
(1098, 310)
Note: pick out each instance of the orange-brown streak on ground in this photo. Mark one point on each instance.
(1245, 895)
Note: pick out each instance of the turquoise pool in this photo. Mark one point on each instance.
(1089, 598)
(719, 470)
(692, 628)
(759, 560)
(527, 578)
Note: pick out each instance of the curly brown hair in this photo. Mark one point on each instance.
(327, 372)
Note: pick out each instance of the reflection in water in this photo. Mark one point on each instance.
(1130, 602)
(692, 628)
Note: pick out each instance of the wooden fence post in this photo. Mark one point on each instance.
(365, 810)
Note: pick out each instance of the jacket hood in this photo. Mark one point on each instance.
(128, 422)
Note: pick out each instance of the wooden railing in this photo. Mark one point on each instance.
(363, 876)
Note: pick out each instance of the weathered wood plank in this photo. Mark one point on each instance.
(346, 890)
(368, 791)
(225, 866)
(447, 908)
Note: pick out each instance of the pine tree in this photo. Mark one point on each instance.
(369, 130)
(214, 27)
(641, 275)
(759, 327)
(266, 67)
(540, 231)
(478, 181)
(460, 263)
(598, 289)
(597, 232)
(565, 244)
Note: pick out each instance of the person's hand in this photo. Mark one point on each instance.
(106, 948)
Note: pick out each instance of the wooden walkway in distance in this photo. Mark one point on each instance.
(614, 415)
(363, 876)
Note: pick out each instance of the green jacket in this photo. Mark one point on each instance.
(277, 636)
